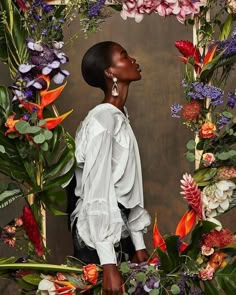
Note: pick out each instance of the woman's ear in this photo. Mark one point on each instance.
(108, 73)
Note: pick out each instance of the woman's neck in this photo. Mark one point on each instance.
(118, 101)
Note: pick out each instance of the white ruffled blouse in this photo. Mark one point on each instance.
(108, 172)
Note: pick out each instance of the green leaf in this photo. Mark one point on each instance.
(140, 277)
(175, 289)
(44, 146)
(210, 289)
(204, 174)
(40, 138)
(164, 260)
(13, 36)
(190, 156)
(226, 27)
(47, 134)
(154, 292)
(33, 129)
(40, 266)
(4, 101)
(22, 127)
(223, 156)
(124, 267)
(191, 144)
(33, 279)
(2, 149)
(228, 114)
(8, 196)
(172, 250)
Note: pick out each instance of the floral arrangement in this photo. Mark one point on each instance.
(35, 149)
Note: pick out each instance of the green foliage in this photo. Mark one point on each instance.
(12, 37)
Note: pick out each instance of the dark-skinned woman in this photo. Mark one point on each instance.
(109, 218)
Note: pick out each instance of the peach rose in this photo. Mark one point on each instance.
(206, 273)
(208, 159)
(90, 273)
(217, 259)
(207, 130)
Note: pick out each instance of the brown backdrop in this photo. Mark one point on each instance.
(161, 138)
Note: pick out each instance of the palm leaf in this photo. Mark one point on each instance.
(15, 36)
(8, 196)
(4, 101)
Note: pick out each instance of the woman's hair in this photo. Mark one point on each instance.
(96, 60)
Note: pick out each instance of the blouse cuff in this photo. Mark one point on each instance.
(106, 253)
(137, 239)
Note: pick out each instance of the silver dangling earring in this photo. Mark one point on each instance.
(114, 90)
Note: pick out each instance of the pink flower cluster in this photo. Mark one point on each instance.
(180, 8)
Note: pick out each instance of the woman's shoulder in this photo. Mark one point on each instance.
(106, 115)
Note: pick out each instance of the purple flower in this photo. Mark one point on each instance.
(47, 8)
(222, 121)
(201, 91)
(175, 109)
(195, 291)
(231, 100)
(95, 8)
(26, 117)
(151, 283)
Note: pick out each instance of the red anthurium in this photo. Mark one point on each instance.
(10, 124)
(53, 122)
(158, 240)
(186, 223)
(188, 50)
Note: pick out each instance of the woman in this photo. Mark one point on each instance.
(109, 219)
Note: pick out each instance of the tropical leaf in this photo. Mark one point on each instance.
(15, 36)
(3, 45)
(172, 250)
(39, 266)
(4, 101)
(8, 196)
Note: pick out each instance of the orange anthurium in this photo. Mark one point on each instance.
(47, 97)
(10, 124)
(158, 240)
(209, 55)
(186, 223)
(53, 122)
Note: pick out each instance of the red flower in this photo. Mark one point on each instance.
(31, 228)
(90, 273)
(191, 110)
(186, 223)
(192, 194)
(188, 50)
(218, 239)
(158, 240)
(21, 4)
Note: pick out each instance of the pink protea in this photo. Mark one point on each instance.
(192, 194)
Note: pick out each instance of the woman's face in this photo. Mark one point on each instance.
(124, 67)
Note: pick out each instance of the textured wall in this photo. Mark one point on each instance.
(161, 139)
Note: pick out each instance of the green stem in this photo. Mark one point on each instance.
(45, 267)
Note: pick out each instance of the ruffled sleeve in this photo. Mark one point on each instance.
(99, 221)
(138, 221)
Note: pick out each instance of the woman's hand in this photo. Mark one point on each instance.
(112, 282)
(141, 256)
